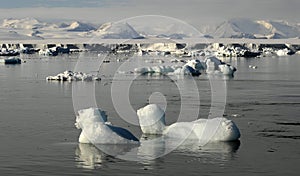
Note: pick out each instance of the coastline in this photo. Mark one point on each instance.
(293, 41)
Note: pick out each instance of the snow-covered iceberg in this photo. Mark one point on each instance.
(73, 76)
(152, 121)
(97, 130)
(213, 65)
(284, 52)
(194, 67)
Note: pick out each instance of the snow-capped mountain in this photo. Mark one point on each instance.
(34, 28)
(246, 28)
(31, 28)
(77, 26)
(117, 31)
(25, 23)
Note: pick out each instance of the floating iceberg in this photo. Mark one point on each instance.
(192, 67)
(11, 60)
(284, 52)
(195, 67)
(73, 76)
(96, 129)
(152, 121)
(214, 65)
(155, 69)
(6, 52)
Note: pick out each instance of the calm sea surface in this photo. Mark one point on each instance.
(38, 136)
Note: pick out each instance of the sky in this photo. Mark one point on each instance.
(195, 12)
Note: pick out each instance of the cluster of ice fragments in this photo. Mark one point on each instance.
(238, 50)
(73, 76)
(54, 51)
(210, 65)
(9, 52)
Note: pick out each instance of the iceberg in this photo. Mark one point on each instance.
(97, 130)
(11, 60)
(6, 52)
(214, 65)
(73, 76)
(284, 52)
(152, 121)
(194, 67)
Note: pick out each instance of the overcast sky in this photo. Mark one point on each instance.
(196, 12)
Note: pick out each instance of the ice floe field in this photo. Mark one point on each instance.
(38, 135)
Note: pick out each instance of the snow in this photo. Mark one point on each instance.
(73, 76)
(152, 121)
(246, 28)
(77, 26)
(96, 129)
(233, 28)
(25, 23)
(30, 28)
(117, 31)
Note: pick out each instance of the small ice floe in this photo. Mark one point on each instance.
(11, 60)
(178, 61)
(213, 65)
(253, 66)
(235, 115)
(73, 76)
(54, 51)
(152, 121)
(155, 69)
(48, 52)
(192, 67)
(232, 51)
(97, 130)
(160, 61)
(9, 52)
(284, 52)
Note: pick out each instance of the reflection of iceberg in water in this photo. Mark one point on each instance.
(91, 156)
(159, 146)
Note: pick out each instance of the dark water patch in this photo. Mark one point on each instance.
(274, 103)
(273, 130)
(288, 123)
(271, 150)
(279, 136)
(248, 109)
(257, 103)
(289, 96)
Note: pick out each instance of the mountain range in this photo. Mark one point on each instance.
(30, 28)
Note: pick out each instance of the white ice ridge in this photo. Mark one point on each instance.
(73, 76)
(210, 65)
(152, 121)
(96, 129)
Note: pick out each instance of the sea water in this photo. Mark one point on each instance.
(38, 136)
